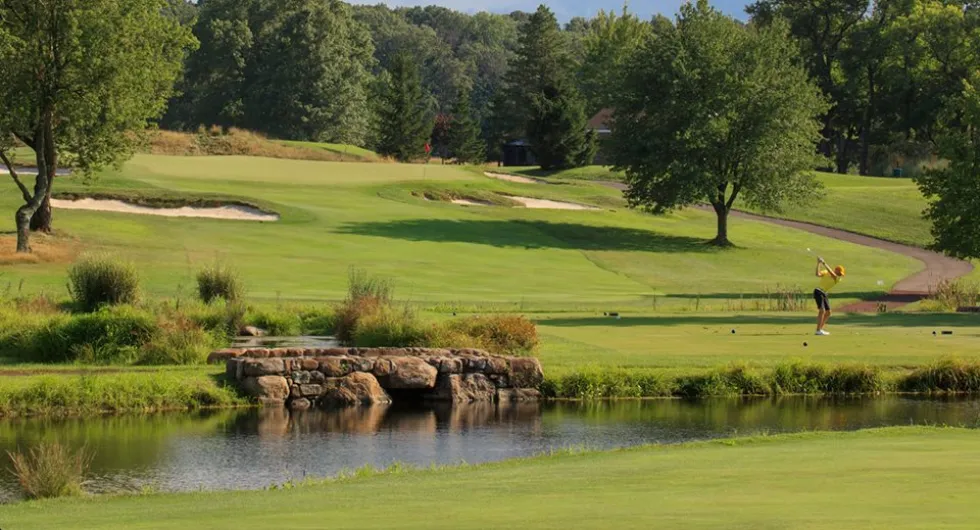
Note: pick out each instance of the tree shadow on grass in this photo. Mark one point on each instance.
(530, 234)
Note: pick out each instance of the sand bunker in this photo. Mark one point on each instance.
(512, 178)
(235, 212)
(467, 202)
(545, 204)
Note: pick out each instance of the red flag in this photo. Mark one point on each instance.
(428, 149)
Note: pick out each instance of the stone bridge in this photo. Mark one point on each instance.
(300, 378)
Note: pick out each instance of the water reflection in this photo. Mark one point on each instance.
(256, 448)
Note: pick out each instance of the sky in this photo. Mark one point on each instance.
(566, 9)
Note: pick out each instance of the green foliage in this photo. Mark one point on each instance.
(226, 318)
(109, 67)
(404, 115)
(954, 192)
(609, 43)
(952, 295)
(97, 281)
(746, 108)
(391, 326)
(945, 375)
(544, 90)
(318, 321)
(279, 323)
(179, 340)
(296, 70)
(51, 470)
(465, 144)
(219, 281)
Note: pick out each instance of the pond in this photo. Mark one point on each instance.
(240, 449)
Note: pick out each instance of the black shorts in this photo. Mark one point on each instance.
(821, 298)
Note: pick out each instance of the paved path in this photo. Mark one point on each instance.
(938, 267)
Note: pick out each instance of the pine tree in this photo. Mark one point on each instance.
(465, 144)
(543, 85)
(404, 117)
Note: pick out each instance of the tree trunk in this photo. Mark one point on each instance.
(842, 154)
(721, 237)
(23, 220)
(41, 220)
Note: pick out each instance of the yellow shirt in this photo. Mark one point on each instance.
(827, 281)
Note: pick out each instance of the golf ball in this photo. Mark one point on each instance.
(881, 282)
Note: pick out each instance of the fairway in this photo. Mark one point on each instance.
(902, 477)
(372, 216)
(895, 341)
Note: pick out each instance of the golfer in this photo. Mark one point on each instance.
(829, 278)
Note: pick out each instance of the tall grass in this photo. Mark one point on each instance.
(952, 295)
(96, 281)
(51, 470)
(219, 281)
(500, 334)
(945, 375)
(366, 295)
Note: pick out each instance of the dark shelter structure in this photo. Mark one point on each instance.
(518, 153)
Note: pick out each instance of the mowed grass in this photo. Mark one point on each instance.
(339, 215)
(348, 152)
(903, 477)
(686, 343)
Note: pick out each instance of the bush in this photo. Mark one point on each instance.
(178, 341)
(218, 281)
(391, 327)
(276, 323)
(951, 295)
(50, 470)
(111, 335)
(100, 280)
(499, 334)
(318, 321)
(227, 318)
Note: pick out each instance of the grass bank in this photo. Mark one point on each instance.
(95, 392)
(907, 477)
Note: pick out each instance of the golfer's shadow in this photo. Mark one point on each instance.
(529, 234)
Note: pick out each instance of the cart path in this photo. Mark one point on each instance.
(938, 267)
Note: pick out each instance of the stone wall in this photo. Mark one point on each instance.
(301, 378)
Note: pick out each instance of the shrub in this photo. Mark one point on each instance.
(97, 281)
(389, 326)
(178, 340)
(227, 318)
(218, 281)
(318, 321)
(951, 295)
(50, 470)
(500, 334)
(277, 323)
(110, 335)
(596, 384)
(798, 378)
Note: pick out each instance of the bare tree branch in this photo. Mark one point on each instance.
(13, 174)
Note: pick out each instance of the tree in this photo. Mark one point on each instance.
(609, 43)
(821, 28)
(544, 91)
(711, 110)
(465, 144)
(405, 120)
(81, 81)
(953, 192)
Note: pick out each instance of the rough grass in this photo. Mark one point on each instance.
(219, 281)
(45, 249)
(50, 470)
(215, 141)
(902, 477)
(103, 280)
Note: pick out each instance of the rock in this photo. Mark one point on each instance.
(451, 365)
(497, 366)
(525, 372)
(257, 353)
(299, 404)
(234, 368)
(463, 388)
(294, 352)
(216, 357)
(257, 367)
(266, 388)
(511, 395)
(475, 364)
(335, 366)
(252, 331)
(301, 377)
(308, 364)
(294, 392)
(364, 364)
(383, 367)
(411, 372)
(317, 377)
(357, 388)
(501, 381)
(310, 390)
